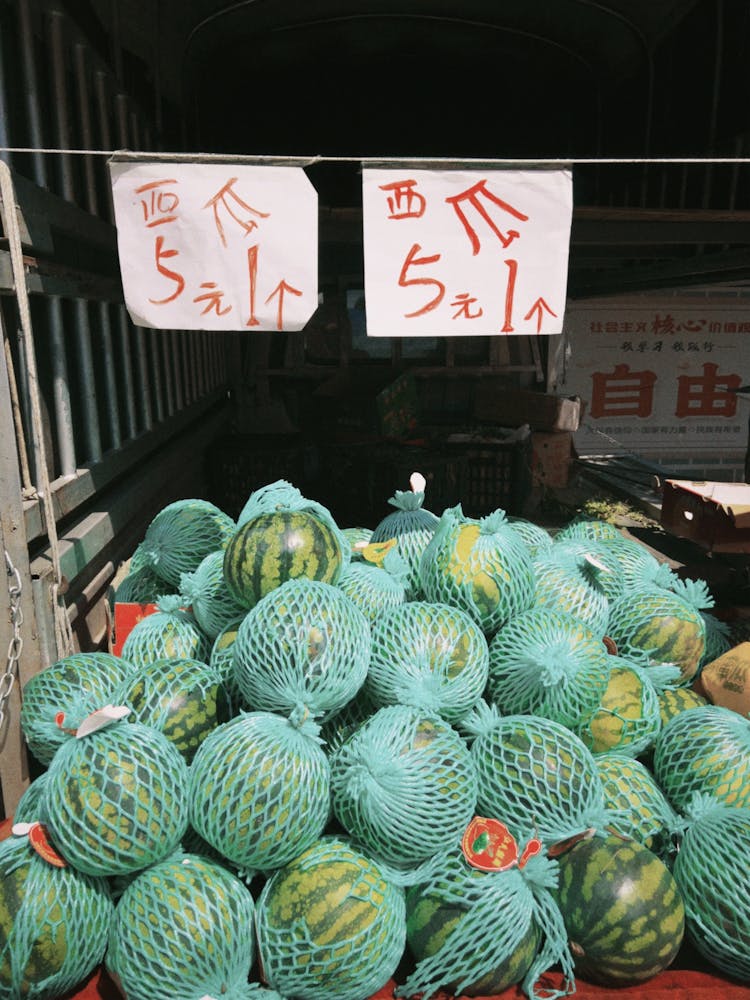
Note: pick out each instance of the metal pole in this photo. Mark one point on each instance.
(105, 134)
(89, 400)
(62, 121)
(31, 92)
(61, 388)
(126, 370)
(110, 367)
(84, 114)
(144, 386)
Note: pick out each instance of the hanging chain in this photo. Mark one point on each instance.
(8, 677)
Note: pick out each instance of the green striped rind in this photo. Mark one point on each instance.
(672, 701)
(54, 924)
(275, 547)
(329, 924)
(640, 808)
(184, 699)
(628, 717)
(622, 908)
(661, 625)
(183, 928)
(430, 921)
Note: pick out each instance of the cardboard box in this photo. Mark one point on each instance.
(725, 681)
(551, 457)
(716, 515)
(514, 407)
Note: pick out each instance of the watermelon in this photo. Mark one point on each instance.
(54, 923)
(184, 699)
(281, 545)
(183, 928)
(171, 632)
(672, 701)
(330, 924)
(628, 716)
(181, 535)
(654, 623)
(412, 526)
(571, 585)
(622, 908)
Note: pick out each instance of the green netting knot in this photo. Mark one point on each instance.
(407, 499)
(661, 576)
(491, 523)
(485, 717)
(695, 592)
(699, 804)
(302, 719)
(169, 603)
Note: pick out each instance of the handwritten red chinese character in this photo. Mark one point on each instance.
(160, 254)
(463, 301)
(413, 260)
(228, 199)
(472, 197)
(406, 202)
(158, 205)
(622, 393)
(707, 395)
(212, 298)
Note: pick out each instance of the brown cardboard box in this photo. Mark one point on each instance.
(551, 457)
(726, 680)
(515, 407)
(716, 515)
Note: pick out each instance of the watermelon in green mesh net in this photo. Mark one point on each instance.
(184, 699)
(536, 537)
(205, 593)
(412, 526)
(637, 565)
(303, 643)
(282, 536)
(429, 655)
(628, 717)
(705, 750)
(660, 625)
(222, 660)
(588, 528)
(475, 931)
(480, 566)
(54, 922)
(718, 638)
(609, 578)
(357, 537)
(330, 923)
(181, 535)
(116, 800)
(547, 663)
(622, 909)
(535, 774)
(712, 873)
(171, 632)
(75, 686)
(259, 789)
(642, 810)
(184, 928)
(375, 588)
(141, 586)
(572, 586)
(340, 725)
(672, 701)
(29, 806)
(403, 786)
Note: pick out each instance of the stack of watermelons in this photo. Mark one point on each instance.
(437, 753)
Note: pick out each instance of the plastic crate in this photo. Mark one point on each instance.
(492, 473)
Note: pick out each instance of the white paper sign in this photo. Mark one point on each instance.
(207, 246)
(465, 252)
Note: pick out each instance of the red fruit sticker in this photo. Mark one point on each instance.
(489, 845)
(60, 723)
(533, 847)
(37, 834)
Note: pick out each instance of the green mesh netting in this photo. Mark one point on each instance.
(547, 663)
(184, 699)
(572, 586)
(170, 633)
(480, 566)
(704, 750)
(718, 638)
(609, 577)
(184, 929)
(642, 810)
(205, 592)
(76, 685)
(713, 876)
(628, 717)
(116, 800)
(588, 528)
(429, 655)
(260, 789)
(475, 932)
(53, 923)
(403, 786)
(536, 537)
(357, 537)
(672, 701)
(660, 625)
(339, 726)
(29, 806)
(330, 924)
(141, 586)
(303, 643)
(181, 535)
(222, 659)
(376, 588)
(637, 565)
(412, 526)
(536, 774)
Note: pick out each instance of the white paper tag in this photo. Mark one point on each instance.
(595, 562)
(417, 482)
(101, 718)
(21, 829)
